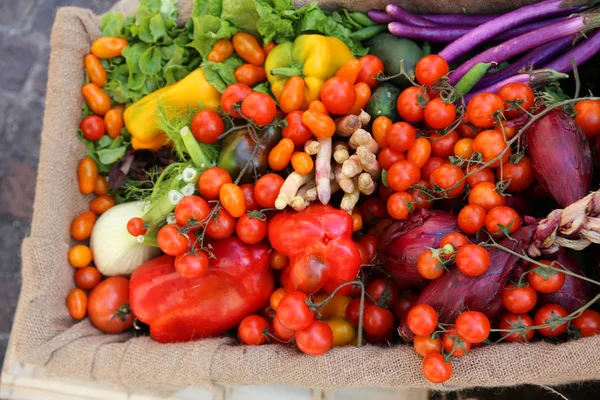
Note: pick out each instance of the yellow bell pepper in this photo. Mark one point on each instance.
(315, 58)
(194, 90)
(154, 144)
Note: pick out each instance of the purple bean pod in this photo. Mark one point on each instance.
(442, 34)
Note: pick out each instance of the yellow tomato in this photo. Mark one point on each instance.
(344, 333)
(336, 307)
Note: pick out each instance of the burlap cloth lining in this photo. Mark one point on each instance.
(44, 334)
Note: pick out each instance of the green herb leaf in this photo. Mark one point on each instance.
(384, 178)
(157, 28)
(112, 24)
(104, 142)
(221, 75)
(207, 29)
(111, 156)
(150, 61)
(242, 14)
(207, 7)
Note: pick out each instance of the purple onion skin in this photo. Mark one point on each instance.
(460, 19)
(560, 156)
(442, 34)
(581, 53)
(455, 292)
(404, 241)
(574, 293)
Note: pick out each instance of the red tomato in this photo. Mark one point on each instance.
(457, 240)
(370, 67)
(388, 156)
(431, 69)
(92, 127)
(211, 181)
(353, 310)
(136, 226)
(108, 305)
(466, 129)
(519, 175)
(399, 205)
(402, 174)
(404, 304)
(266, 190)
(587, 116)
(502, 220)
(519, 323)
(295, 129)
(315, 339)
(486, 196)
(401, 136)
(588, 323)
(424, 345)
(293, 311)
(429, 267)
(373, 208)
(370, 243)
(554, 315)
(281, 332)
(87, 278)
(419, 152)
(430, 165)
(422, 320)
(421, 195)
(491, 144)
(192, 265)
(253, 330)
(207, 126)
(518, 98)
(338, 95)
(519, 299)
(383, 292)
(377, 320)
(221, 226)
(191, 210)
(475, 175)
(438, 114)
(170, 241)
(251, 229)
(471, 219)
(248, 190)
(233, 94)
(448, 179)
(436, 368)
(472, 260)
(485, 109)
(443, 146)
(411, 104)
(473, 326)
(546, 280)
(260, 108)
(454, 345)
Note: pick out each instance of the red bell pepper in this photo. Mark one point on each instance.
(239, 282)
(318, 242)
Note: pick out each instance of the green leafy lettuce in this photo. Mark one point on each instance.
(220, 75)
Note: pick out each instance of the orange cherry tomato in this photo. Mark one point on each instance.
(268, 47)
(292, 95)
(280, 155)
(302, 162)
(233, 199)
(491, 144)
(349, 71)
(96, 98)
(108, 47)
(101, 186)
(381, 127)
(321, 125)
(276, 297)
(87, 173)
(419, 152)
(120, 108)
(318, 106)
(464, 148)
(486, 196)
(247, 47)
(250, 74)
(101, 204)
(94, 69)
(87, 277)
(113, 121)
(357, 222)
(363, 95)
(80, 256)
(221, 51)
(77, 303)
(81, 227)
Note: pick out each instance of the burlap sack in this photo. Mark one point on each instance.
(44, 333)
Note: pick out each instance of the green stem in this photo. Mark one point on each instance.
(149, 239)
(159, 210)
(193, 149)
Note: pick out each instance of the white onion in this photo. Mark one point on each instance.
(116, 251)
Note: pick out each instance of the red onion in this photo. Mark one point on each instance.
(404, 241)
(560, 156)
(455, 292)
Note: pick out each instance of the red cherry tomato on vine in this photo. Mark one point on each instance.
(266, 190)
(456, 239)
(472, 260)
(211, 181)
(411, 104)
(260, 108)
(448, 179)
(370, 67)
(424, 345)
(491, 144)
(471, 219)
(431, 69)
(546, 280)
(454, 344)
(516, 321)
(338, 95)
(402, 175)
(191, 210)
(171, 241)
(207, 126)
(315, 339)
(253, 330)
(443, 146)
(108, 305)
(518, 98)
(473, 326)
(486, 196)
(422, 319)
(293, 311)
(484, 109)
(519, 175)
(192, 265)
(588, 323)
(401, 136)
(377, 320)
(439, 115)
(552, 314)
(519, 299)
(251, 229)
(587, 116)
(502, 220)
(436, 368)
(221, 226)
(296, 130)
(233, 94)
(429, 267)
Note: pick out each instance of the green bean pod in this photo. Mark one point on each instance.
(368, 32)
(471, 78)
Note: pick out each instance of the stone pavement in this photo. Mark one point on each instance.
(24, 51)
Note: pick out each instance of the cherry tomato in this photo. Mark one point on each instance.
(260, 108)
(472, 260)
(431, 69)
(338, 95)
(222, 226)
(293, 311)
(476, 175)
(421, 195)
(278, 260)
(248, 190)
(486, 196)
(292, 95)
(419, 152)
(101, 204)
(383, 292)
(429, 267)
(554, 315)
(411, 104)
(92, 127)
(509, 132)
(443, 146)
(276, 297)
(315, 339)
(399, 205)
(320, 124)
(251, 229)
(471, 219)
(370, 243)
(430, 165)
(387, 157)
(233, 200)
(404, 304)
(295, 129)
(370, 67)
(108, 47)
(211, 181)
(401, 136)
(349, 71)
(87, 278)
(343, 331)
(363, 95)
(373, 208)
(281, 332)
(281, 154)
(77, 303)
(517, 321)
(435, 368)
(249, 74)
(588, 323)
(253, 330)
(402, 174)
(466, 129)
(448, 179)
(207, 126)
(519, 299)
(454, 345)
(317, 106)
(484, 109)
(113, 121)
(502, 220)
(108, 305)
(439, 115)
(491, 144)
(377, 320)
(82, 225)
(233, 94)
(192, 265)
(80, 256)
(268, 47)
(464, 148)
(221, 51)
(473, 326)
(456, 239)
(136, 227)
(94, 69)
(266, 190)
(422, 320)
(353, 310)
(381, 126)
(587, 116)
(87, 173)
(424, 345)
(518, 98)
(191, 210)
(96, 98)
(519, 175)
(100, 186)
(546, 280)
(356, 222)
(247, 47)
(171, 241)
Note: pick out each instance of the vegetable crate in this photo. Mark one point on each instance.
(45, 335)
